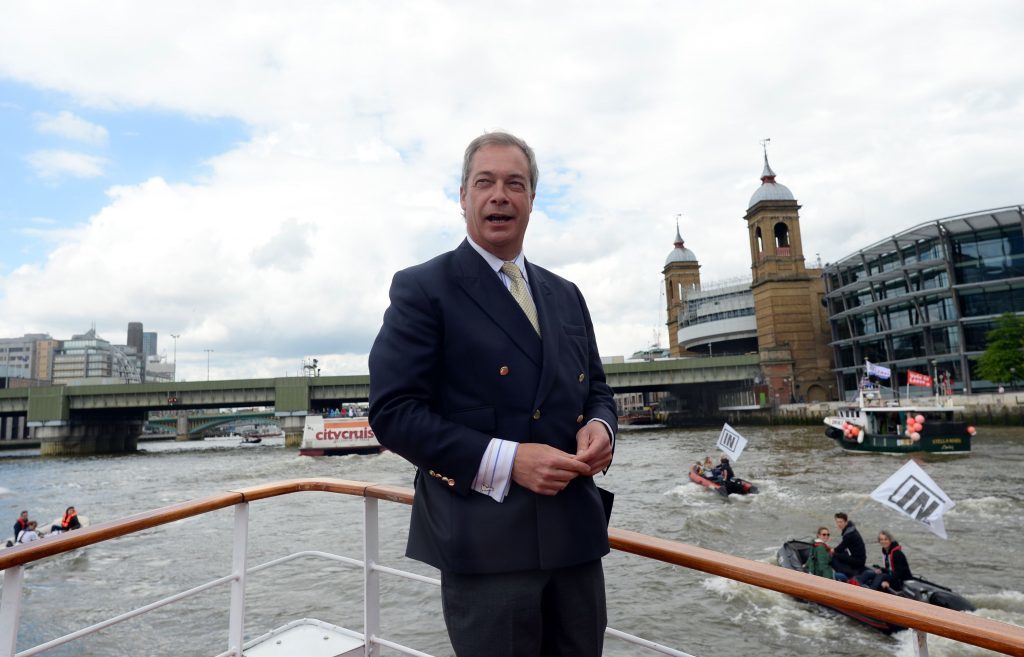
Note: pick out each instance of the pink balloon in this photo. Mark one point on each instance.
(918, 426)
(915, 436)
(855, 431)
(919, 419)
(972, 430)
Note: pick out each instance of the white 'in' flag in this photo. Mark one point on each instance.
(913, 493)
(731, 442)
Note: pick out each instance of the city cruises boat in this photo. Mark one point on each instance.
(334, 436)
(876, 424)
(794, 553)
(337, 638)
(735, 485)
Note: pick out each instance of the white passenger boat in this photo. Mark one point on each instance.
(319, 638)
(333, 436)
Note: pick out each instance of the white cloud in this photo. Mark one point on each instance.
(55, 164)
(67, 125)
(880, 117)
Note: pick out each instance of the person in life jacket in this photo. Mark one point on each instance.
(895, 569)
(29, 534)
(69, 522)
(819, 561)
(21, 524)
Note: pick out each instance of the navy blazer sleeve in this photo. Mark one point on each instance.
(406, 368)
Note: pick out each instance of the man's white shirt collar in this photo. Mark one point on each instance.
(495, 262)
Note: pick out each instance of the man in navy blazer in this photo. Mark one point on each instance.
(486, 376)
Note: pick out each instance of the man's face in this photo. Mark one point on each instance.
(497, 199)
(840, 524)
(24, 515)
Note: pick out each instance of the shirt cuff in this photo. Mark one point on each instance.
(611, 434)
(494, 476)
(611, 437)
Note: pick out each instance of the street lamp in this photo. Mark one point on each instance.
(208, 352)
(1013, 378)
(175, 336)
(935, 377)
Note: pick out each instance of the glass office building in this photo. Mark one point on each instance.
(924, 299)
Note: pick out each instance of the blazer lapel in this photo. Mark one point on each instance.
(484, 287)
(550, 327)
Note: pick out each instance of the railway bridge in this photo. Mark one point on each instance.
(94, 419)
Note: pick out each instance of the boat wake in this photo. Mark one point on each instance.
(989, 507)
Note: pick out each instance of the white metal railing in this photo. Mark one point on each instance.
(13, 584)
(923, 618)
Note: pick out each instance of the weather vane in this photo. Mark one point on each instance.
(764, 145)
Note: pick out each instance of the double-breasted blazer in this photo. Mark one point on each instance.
(456, 362)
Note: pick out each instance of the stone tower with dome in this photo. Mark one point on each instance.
(792, 322)
(681, 273)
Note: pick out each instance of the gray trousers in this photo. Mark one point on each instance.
(539, 613)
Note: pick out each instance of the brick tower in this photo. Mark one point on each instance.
(682, 273)
(792, 323)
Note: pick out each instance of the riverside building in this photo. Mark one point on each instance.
(89, 359)
(924, 299)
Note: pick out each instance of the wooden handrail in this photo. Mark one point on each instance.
(959, 626)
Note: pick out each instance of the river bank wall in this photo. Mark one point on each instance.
(1006, 409)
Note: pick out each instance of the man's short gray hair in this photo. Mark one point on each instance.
(500, 139)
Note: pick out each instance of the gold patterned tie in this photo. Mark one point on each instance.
(520, 293)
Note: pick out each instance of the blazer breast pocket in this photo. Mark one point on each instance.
(480, 418)
(576, 330)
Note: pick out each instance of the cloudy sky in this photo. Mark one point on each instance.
(250, 175)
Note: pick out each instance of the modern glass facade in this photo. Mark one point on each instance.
(924, 298)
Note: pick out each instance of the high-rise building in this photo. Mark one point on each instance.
(88, 358)
(135, 336)
(149, 343)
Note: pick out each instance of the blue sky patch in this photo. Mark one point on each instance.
(57, 158)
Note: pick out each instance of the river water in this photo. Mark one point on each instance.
(804, 479)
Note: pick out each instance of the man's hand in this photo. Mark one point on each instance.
(594, 447)
(544, 469)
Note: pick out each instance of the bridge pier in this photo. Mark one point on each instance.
(292, 426)
(109, 436)
(182, 431)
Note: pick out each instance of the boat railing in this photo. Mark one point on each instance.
(923, 618)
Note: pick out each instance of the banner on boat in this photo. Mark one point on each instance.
(341, 435)
(912, 492)
(877, 370)
(731, 442)
(918, 379)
